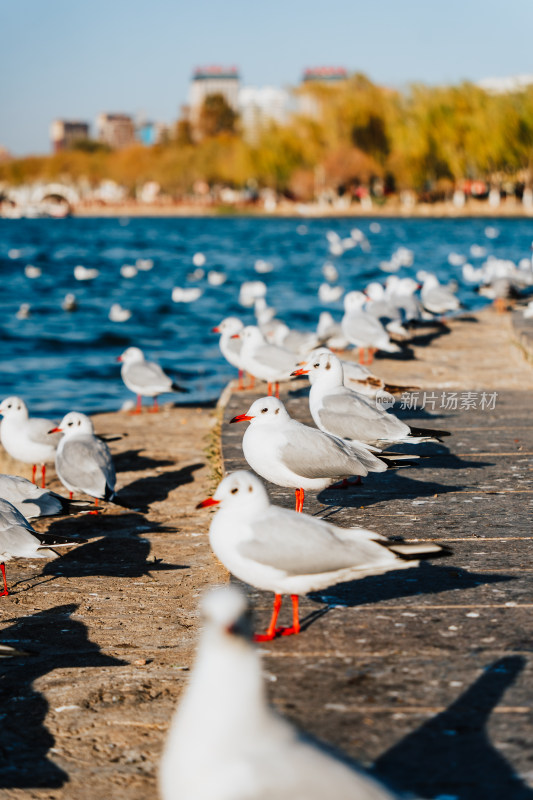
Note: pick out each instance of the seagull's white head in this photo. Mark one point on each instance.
(74, 424)
(131, 356)
(375, 291)
(251, 337)
(325, 367)
(240, 491)
(14, 408)
(225, 610)
(354, 301)
(230, 326)
(265, 411)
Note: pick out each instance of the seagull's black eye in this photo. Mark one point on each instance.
(70, 424)
(264, 410)
(316, 366)
(9, 406)
(234, 491)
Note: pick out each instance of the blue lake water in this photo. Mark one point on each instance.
(59, 361)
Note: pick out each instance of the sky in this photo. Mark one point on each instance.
(72, 59)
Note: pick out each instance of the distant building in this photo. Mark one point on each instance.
(212, 80)
(515, 83)
(308, 103)
(115, 130)
(259, 106)
(64, 133)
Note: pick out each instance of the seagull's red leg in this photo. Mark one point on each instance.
(299, 499)
(252, 382)
(240, 387)
(138, 407)
(295, 627)
(70, 495)
(269, 391)
(33, 471)
(271, 630)
(346, 483)
(6, 590)
(155, 407)
(95, 506)
(277, 389)
(43, 474)
(360, 352)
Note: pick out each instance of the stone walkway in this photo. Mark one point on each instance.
(427, 674)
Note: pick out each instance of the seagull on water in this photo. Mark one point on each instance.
(281, 551)
(226, 743)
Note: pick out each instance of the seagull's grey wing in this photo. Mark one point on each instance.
(148, 374)
(28, 498)
(38, 428)
(303, 545)
(351, 417)
(275, 357)
(312, 453)
(85, 462)
(362, 327)
(10, 517)
(439, 299)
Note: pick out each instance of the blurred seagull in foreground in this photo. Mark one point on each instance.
(226, 743)
(145, 378)
(363, 330)
(281, 551)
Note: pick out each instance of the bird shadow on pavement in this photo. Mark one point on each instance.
(451, 755)
(373, 490)
(132, 461)
(112, 526)
(58, 642)
(427, 579)
(155, 488)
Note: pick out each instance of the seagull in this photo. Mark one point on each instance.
(230, 345)
(26, 438)
(33, 502)
(19, 540)
(83, 461)
(356, 376)
(265, 361)
(436, 298)
(226, 743)
(281, 551)
(330, 332)
(298, 342)
(363, 330)
(342, 412)
(288, 453)
(145, 378)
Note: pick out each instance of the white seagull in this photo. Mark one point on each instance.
(363, 330)
(288, 453)
(19, 540)
(27, 438)
(345, 413)
(278, 550)
(230, 345)
(83, 461)
(145, 378)
(265, 361)
(226, 743)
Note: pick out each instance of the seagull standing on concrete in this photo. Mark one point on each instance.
(33, 502)
(265, 361)
(19, 540)
(281, 551)
(226, 743)
(145, 378)
(364, 330)
(83, 461)
(26, 438)
(342, 412)
(230, 345)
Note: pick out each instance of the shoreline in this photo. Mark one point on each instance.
(299, 211)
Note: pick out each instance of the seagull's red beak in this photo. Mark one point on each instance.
(56, 430)
(235, 336)
(210, 501)
(215, 330)
(241, 418)
(119, 358)
(299, 372)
